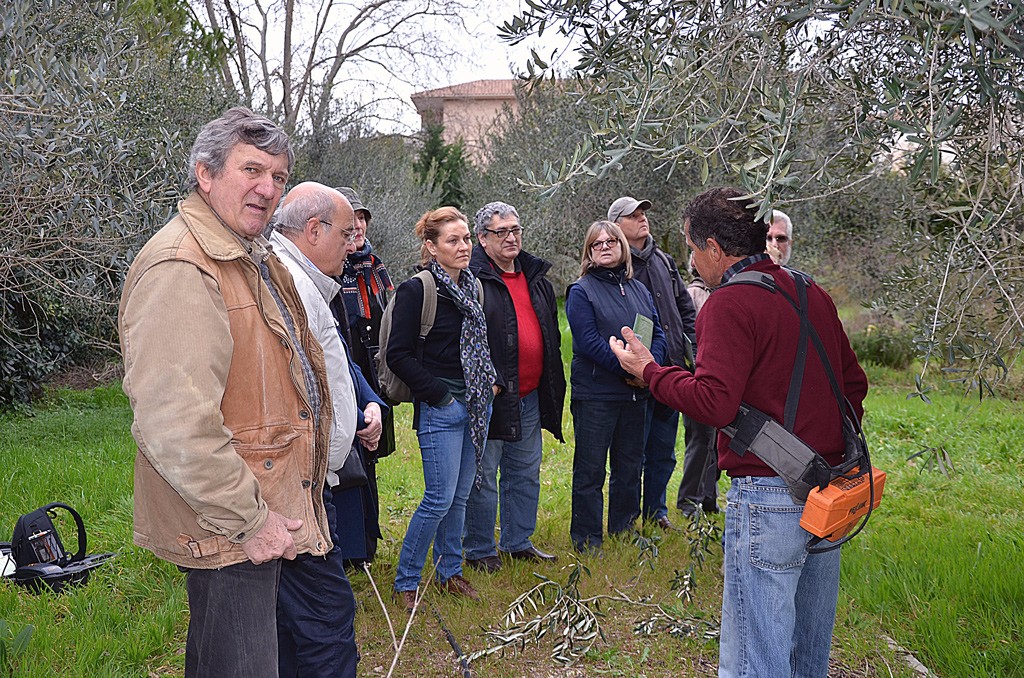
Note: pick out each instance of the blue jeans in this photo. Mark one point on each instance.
(659, 457)
(779, 603)
(606, 431)
(232, 630)
(518, 494)
(449, 467)
(316, 613)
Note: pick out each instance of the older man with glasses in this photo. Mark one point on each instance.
(524, 338)
(315, 605)
(779, 242)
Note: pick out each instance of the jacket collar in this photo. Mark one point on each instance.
(530, 265)
(214, 237)
(612, 276)
(325, 284)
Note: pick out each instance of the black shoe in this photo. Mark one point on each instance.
(664, 523)
(534, 554)
(488, 564)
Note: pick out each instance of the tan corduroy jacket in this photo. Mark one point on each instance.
(221, 413)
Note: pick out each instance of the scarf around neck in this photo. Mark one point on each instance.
(477, 367)
(365, 277)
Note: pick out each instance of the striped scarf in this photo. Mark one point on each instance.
(364, 276)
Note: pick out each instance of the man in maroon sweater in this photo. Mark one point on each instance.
(779, 603)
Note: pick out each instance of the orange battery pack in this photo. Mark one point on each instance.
(832, 512)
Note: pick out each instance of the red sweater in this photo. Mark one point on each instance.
(748, 340)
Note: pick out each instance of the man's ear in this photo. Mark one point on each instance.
(204, 177)
(314, 229)
(714, 250)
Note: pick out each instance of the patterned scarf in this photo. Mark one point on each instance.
(476, 357)
(364, 275)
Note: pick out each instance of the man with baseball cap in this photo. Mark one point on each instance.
(658, 271)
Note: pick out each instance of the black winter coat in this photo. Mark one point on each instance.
(503, 339)
(658, 272)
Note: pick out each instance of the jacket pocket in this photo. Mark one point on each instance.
(264, 442)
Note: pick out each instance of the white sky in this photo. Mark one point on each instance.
(485, 55)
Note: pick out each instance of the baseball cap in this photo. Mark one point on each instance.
(625, 206)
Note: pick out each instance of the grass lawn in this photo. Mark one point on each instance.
(938, 569)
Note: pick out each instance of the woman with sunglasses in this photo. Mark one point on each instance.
(608, 405)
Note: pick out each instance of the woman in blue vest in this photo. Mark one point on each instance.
(608, 404)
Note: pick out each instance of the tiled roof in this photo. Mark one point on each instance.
(476, 89)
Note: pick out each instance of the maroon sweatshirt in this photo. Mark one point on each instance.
(747, 338)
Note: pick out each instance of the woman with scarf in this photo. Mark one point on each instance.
(365, 284)
(452, 382)
(608, 404)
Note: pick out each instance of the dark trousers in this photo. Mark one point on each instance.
(358, 526)
(231, 630)
(316, 614)
(700, 468)
(659, 457)
(607, 432)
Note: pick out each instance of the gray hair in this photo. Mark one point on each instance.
(239, 125)
(292, 216)
(784, 218)
(484, 215)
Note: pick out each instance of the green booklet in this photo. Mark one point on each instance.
(643, 328)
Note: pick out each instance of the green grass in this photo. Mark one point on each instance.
(938, 569)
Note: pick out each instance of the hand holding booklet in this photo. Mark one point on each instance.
(643, 328)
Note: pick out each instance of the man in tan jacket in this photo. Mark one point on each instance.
(230, 401)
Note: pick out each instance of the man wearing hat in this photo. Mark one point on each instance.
(658, 271)
(365, 285)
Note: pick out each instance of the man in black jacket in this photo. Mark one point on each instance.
(523, 334)
(659, 273)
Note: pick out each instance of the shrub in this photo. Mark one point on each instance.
(884, 342)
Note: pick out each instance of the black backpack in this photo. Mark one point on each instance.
(39, 553)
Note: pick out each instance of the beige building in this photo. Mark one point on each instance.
(467, 111)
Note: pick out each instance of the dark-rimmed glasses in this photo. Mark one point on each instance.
(604, 244)
(503, 233)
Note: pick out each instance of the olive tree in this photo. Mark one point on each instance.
(528, 144)
(929, 91)
(91, 159)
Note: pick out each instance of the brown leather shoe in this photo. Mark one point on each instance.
(459, 586)
(405, 599)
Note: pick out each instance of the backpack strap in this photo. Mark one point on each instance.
(428, 311)
(673, 271)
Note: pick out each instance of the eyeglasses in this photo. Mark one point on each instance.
(350, 234)
(604, 244)
(777, 238)
(502, 233)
